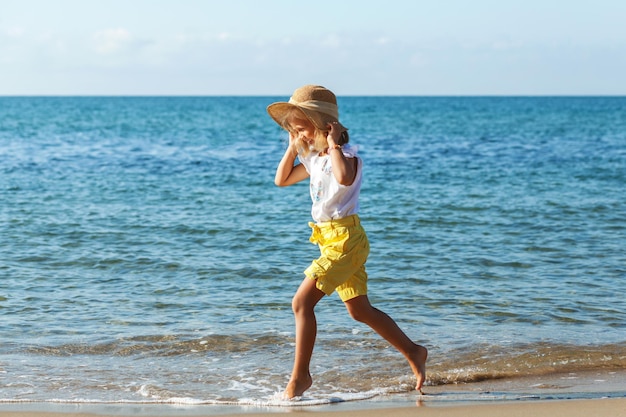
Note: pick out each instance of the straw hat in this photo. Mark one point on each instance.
(318, 104)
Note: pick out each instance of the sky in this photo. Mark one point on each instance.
(353, 47)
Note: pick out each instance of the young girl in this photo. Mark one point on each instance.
(320, 143)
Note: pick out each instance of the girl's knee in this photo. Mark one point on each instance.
(297, 304)
(359, 309)
(358, 314)
(307, 297)
(302, 303)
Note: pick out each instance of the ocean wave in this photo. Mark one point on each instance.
(481, 363)
(162, 345)
(525, 360)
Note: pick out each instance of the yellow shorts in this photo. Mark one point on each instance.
(344, 249)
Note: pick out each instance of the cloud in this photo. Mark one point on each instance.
(224, 36)
(332, 41)
(117, 61)
(507, 44)
(110, 41)
(14, 32)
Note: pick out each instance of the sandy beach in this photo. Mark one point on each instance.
(613, 407)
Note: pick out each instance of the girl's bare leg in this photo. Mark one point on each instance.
(303, 305)
(361, 310)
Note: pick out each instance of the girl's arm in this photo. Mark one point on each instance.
(287, 173)
(344, 169)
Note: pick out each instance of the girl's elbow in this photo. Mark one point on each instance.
(345, 180)
(279, 180)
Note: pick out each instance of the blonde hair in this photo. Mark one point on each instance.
(319, 136)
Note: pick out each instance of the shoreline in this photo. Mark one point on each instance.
(597, 393)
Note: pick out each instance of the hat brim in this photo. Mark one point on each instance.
(277, 111)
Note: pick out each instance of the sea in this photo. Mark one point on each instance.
(146, 256)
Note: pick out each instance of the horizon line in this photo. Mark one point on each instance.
(287, 95)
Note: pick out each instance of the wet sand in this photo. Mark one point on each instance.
(613, 407)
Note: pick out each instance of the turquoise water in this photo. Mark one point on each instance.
(145, 254)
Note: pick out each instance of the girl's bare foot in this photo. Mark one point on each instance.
(297, 386)
(417, 360)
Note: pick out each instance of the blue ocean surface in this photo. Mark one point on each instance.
(146, 256)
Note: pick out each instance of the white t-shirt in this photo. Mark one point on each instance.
(331, 200)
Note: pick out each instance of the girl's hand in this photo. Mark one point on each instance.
(292, 143)
(344, 169)
(334, 133)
